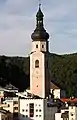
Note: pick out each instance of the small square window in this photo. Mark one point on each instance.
(16, 108)
(23, 115)
(39, 115)
(36, 110)
(22, 110)
(36, 115)
(8, 105)
(40, 110)
(72, 114)
(36, 46)
(26, 115)
(35, 104)
(26, 110)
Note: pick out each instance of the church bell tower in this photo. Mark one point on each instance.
(39, 72)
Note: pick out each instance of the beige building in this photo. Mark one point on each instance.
(5, 115)
(11, 105)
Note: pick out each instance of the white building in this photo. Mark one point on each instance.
(72, 112)
(56, 91)
(67, 113)
(36, 109)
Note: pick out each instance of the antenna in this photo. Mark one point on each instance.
(39, 3)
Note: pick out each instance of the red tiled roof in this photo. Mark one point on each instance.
(72, 100)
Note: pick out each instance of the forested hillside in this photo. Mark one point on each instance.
(14, 70)
(63, 71)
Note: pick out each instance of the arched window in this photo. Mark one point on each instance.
(36, 63)
(36, 46)
(42, 46)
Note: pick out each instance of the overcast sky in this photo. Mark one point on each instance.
(17, 22)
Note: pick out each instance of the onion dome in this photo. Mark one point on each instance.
(39, 33)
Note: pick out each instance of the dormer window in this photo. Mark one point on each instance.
(36, 63)
(36, 46)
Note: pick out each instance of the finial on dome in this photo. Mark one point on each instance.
(39, 3)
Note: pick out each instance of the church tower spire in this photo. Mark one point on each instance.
(39, 71)
(39, 18)
(39, 33)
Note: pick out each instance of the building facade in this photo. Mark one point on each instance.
(36, 109)
(67, 113)
(57, 92)
(5, 115)
(11, 105)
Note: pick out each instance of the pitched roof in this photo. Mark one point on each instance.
(2, 89)
(71, 100)
(10, 87)
(53, 86)
(3, 111)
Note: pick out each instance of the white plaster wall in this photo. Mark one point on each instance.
(56, 93)
(72, 110)
(38, 104)
(10, 108)
(37, 75)
(11, 104)
(34, 43)
(58, 116)
(47, 113)
(1, 93)
(63, 110)
(0, 117)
